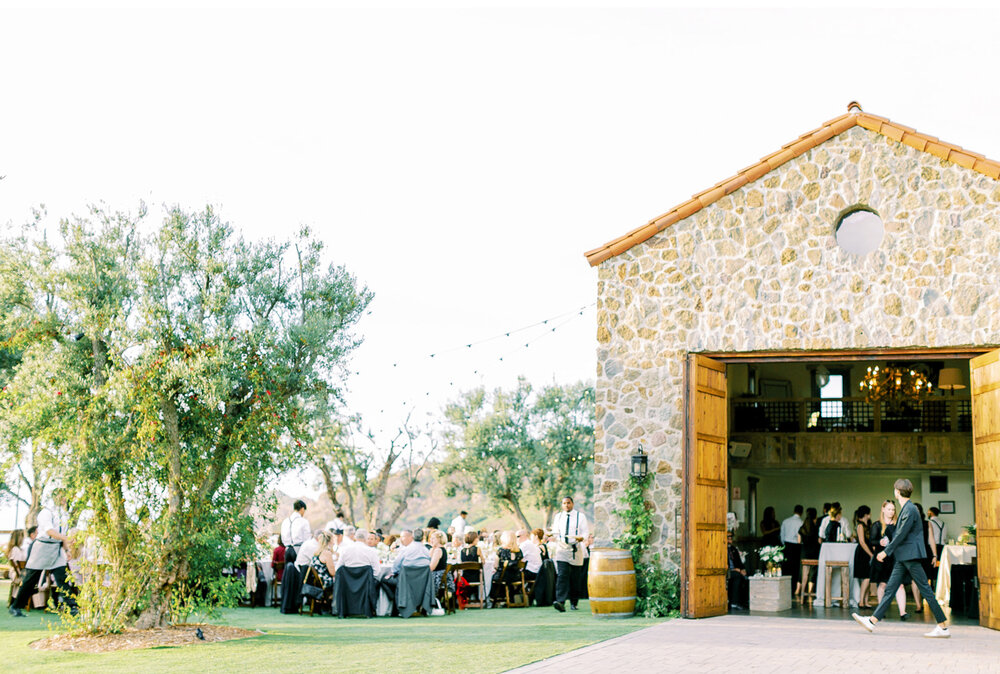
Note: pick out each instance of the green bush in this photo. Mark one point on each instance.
(658, 590)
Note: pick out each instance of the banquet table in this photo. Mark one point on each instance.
(950, 555)
(836, 552)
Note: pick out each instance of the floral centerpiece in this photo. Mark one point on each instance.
(773, 555)
(969, 536)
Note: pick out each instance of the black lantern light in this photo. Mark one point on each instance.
(639, 463)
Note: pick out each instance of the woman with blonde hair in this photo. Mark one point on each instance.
(508, 555)
(323, 561)
(439, 559)
(882, 532)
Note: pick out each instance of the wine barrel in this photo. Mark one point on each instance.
(611, 583)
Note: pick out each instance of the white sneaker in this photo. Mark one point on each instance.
(938, 633)
(866, 622)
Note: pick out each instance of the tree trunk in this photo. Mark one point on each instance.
(549, 512)
(515, 508)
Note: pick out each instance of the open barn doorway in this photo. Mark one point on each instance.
(784, 429)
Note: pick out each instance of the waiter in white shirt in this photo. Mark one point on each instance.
(460, 525)
(48, 553)
(294, 532)
(790, 539)
(570, 529)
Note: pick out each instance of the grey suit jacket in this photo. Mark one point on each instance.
(908, 543)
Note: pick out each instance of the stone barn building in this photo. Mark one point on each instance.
(736, 331)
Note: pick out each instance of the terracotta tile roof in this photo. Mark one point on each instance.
(802, 144)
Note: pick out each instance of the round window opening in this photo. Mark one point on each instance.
(860, 231)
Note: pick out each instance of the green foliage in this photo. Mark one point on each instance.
(520, 447)
(205, 597)
(657, 586)
(658, 589)
(636, 517)
(174, 368)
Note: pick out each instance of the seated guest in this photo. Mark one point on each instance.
(538, 537)
(412, 551)
(347, 540)
(392, 541)
(439, 560)
(322, 560)
(471, 553)
(308, 549)
(737, 586)
(508, 555)
(532, 555)
(362, 553)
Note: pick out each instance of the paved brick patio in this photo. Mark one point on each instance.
(747, 643)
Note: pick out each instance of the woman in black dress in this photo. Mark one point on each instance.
(770, 528)
(810, 547)
(881, 533)
(863, 553)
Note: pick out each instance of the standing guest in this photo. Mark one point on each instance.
(882, 532)
(433, 524)
(863, 553)
(937, 531)
(570, 529)
(909, 548)
(532, 555)
(930, 558)
(15, 546)
(48, 553)
(460, 524)
(770, 528)
(834, 525)
(278, 561)
(737, 586)
(823, 521)
(810, 549)
(294, 533)
(337, 522)
(790, 539)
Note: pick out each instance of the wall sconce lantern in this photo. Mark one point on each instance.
(639, 463)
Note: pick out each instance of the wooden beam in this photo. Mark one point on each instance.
(834, 355)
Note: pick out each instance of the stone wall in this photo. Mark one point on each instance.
(760, 269)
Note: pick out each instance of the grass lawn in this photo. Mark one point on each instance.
(474, 640)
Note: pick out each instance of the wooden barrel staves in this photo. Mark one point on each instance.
(611, 583)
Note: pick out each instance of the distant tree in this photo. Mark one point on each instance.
(519, 448)
(188, 363)
(354, 465)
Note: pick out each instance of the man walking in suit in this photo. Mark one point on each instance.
(908, 547)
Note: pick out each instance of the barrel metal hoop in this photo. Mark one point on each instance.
(614, 555)
(630, 572)
(593, 599)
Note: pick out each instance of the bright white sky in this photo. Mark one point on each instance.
(459, 162)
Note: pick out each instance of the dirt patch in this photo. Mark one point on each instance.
(160, 637)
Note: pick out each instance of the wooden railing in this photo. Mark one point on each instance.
(943, 414)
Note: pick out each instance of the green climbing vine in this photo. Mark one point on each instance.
(657, 587)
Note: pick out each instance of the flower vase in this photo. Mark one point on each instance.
(770, 570)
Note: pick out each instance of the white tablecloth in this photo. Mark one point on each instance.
(836, 552)
(951, 554)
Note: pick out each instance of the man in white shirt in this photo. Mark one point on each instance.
(790, 539)
(937, 532)
(307, 550)
(413, 551)
(52, 534)
(460, 525)
(360, 554)
(532, 554)
(337, 523)
(821, 531)
(295, 531)
(570, 530)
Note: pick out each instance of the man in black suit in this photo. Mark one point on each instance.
(737, 586)
(908, 547)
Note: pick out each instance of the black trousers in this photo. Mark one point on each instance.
(915, 568)
(31, 577)
(793, 557)
(569, 583)
(291, 589)
(738, 588)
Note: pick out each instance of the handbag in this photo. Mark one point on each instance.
(312, 592)
(437, 610)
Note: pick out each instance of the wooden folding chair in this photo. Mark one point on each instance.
(277, 568)
(459, 569)
(516, 587)
(312, 578)
(15, 582)
(448, 601)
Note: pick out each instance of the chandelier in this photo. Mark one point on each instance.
(894, 386)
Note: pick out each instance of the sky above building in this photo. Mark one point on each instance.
(458, 161)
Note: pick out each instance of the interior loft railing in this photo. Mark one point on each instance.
(849, 415)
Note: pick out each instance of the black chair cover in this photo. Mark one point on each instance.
(354, 592)
(545, 584)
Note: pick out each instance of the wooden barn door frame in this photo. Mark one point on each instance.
(697, 569)
(985, 372)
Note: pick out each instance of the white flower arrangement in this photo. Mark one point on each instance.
(773, 553)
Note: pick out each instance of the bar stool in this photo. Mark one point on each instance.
(845, 584)
(805, 594)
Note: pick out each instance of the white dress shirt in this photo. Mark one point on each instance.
(567, 526)
(414, 554)
(52, 521)
(295, 530)
(937, 532)
(532, 556)
(821, 532)
(790, 529)
(305, 553)
(359, 554)
(460, 525)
